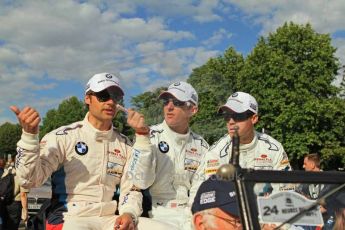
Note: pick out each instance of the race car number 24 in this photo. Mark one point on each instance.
(267, 210)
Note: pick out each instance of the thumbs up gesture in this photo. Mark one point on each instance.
(28, 118)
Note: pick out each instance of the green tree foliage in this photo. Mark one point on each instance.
(149, 105)
(69, 111)
(290, 73)
(9, 136)
(215, 81)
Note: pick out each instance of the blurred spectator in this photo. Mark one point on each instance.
(334, 218)
(311, 164)
(339, 219)
(2, 166)
(18, 208)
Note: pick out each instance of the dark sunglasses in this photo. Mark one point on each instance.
(174, 101)
(237, 117)
(105, 95)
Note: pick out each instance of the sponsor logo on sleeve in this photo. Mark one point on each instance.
(135, 159)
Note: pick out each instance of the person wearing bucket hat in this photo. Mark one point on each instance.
(87, 160)
(257, 150)
(215, 205)
(177, 153)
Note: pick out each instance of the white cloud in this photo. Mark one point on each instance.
(66, 40)
(217, 37)
(200, 11)
(324, 16)
(149, 48)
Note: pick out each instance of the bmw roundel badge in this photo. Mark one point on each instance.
(81, 148)
(163, 147)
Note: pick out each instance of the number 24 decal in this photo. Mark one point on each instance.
(268, 210)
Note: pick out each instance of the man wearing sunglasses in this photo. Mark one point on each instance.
(169, 169)
(257, 150)
(86, 160)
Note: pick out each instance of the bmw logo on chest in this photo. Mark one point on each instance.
(81, 148)
(163, 147)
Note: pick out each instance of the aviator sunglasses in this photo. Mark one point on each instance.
(237, 117)
(174, 101)
(105, 95)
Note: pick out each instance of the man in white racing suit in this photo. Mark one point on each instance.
(168, 171)
(257, 150)
(86, 160)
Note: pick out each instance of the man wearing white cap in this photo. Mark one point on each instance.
(86, 161)
(257, 150)
(169, 170)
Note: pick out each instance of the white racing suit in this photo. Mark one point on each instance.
(264, 152)
(86, 165)
(168, 173)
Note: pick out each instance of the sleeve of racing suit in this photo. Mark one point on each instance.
(130, 195)
(35, 162)
(142, 167)
(281, 161)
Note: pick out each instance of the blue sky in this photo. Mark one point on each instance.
(49, 49)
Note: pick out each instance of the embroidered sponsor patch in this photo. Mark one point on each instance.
(81, 148)
(261, 160)
(192, 152)
(114, 169)
(232, 194)
(208, 197)
(210, 171)
(163, 147)
(212, 163)
(125, 199)
(117, 154)
(284, 162)
(191, 165)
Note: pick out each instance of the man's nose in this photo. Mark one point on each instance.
(170, 105)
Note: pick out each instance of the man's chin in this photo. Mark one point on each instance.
(231, 133)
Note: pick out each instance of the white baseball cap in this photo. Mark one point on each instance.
(102, 81)
(240, 102)
(182, 91)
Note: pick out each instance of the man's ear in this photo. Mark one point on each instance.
(198, 221)
(87, 99)
(255, 119)
(193, 110)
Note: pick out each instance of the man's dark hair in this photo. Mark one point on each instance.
(315, 158)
